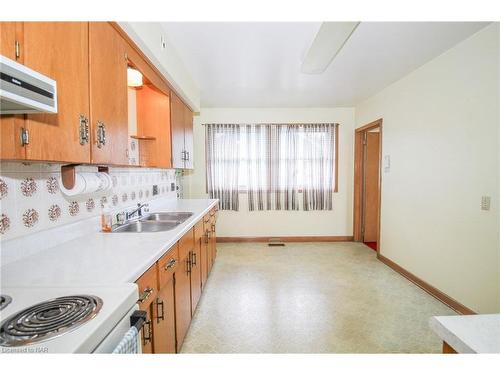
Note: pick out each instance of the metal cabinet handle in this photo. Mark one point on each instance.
(83, 129)
(25, 136)
(158, 315)
(145, 295)
(188, 264)
(170, 264)
(207, 236)
(17, 47)
(213, 228)
(146, 338)
(101, 134)
(194, 259)
(187, 155)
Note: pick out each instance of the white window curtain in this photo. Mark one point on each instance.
(318, 158)
(223, 161)
(272, 163)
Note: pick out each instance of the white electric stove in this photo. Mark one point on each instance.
(73, 319)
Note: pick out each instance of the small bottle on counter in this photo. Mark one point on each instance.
(106, 219)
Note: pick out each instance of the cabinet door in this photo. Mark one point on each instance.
(10, 125)
(182, 300)
(59, 50)
(108, 95)
(195, 274)
(208, 232)
(214, 238)
(147, 332)
(177, 126)
(188, 138)
(204, 257)
(164, 319)
(153, 119)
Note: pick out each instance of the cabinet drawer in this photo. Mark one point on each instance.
(148, 287)
(198, 231)
(186, 244)
(167, 265)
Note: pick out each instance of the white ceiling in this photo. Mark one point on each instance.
(258, 64)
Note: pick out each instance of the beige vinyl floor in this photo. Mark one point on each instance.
(310, 298)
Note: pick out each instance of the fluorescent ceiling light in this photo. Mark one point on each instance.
(328, 42)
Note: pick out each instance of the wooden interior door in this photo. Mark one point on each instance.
(108, 94)
(59, 50)
(182, 299)
(10, 125)
(371, 180)
(177, 118)
(164, 319)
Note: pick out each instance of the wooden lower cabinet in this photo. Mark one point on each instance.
(195, 275)
(169, 291)
(182, 300)
(147, 332)
(164, 319)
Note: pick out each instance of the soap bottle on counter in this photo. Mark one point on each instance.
(106, 219)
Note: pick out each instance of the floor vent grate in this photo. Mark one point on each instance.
(275, 242)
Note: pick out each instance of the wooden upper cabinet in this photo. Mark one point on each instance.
(188, 138)
(177, 124)
(10, 125)
(11, 34)
(59, 50)
(153, 120)
(108, 94)
(182, 133)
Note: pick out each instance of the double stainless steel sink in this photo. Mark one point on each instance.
(154, 222)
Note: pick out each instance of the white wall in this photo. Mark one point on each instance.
(441, 130)
(147, 36)
(280, 223)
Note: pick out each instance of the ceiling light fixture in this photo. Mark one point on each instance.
(329, 40)
(134, 77)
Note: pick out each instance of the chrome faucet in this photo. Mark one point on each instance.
(137, 211)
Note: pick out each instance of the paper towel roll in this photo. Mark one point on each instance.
(88, 183)
(79, 188)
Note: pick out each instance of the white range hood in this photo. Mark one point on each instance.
(23, 90)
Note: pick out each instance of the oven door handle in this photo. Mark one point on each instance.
(138, 318)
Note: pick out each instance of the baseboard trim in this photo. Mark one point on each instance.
(287, 239)
(436, 293)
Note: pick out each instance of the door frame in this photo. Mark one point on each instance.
(358, 180)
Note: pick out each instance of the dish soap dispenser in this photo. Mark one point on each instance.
(106, 219)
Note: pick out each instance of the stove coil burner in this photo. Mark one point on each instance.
(4, 301)
(48, 319)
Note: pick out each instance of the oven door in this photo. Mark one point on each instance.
(114, 337)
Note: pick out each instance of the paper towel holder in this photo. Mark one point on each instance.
(68, 174)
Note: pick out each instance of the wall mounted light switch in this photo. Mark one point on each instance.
(387, 163)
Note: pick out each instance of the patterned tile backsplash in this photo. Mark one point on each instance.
(31, 201)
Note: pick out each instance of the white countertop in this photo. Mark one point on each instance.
(469, 333)
(103, 258)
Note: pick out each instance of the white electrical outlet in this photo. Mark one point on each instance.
(485, 203)
(163, 42)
